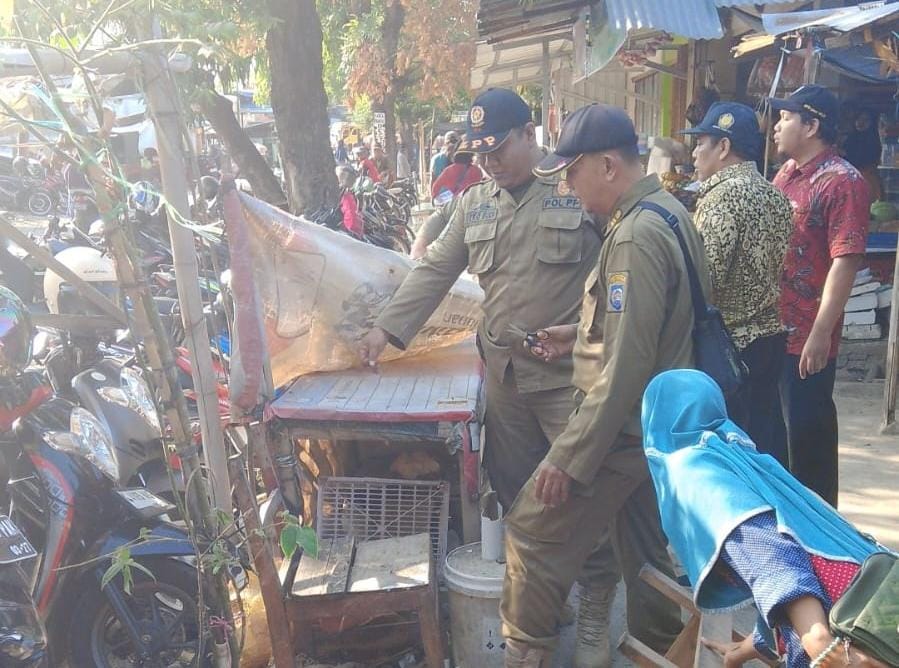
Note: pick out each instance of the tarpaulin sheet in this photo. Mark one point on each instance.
(860, 62)
(322, 290)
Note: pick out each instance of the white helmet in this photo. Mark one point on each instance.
(90, 265)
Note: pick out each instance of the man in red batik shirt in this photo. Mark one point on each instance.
(831, 201)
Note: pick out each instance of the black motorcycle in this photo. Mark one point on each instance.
(67, 493)
(26, 194)
(23, 641)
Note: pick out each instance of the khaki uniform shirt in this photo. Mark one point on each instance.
(637, 321)
(530, 257)
(435, 224)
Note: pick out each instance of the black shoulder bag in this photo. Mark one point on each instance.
(713, 346)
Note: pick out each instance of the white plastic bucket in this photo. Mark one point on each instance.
(475, 586)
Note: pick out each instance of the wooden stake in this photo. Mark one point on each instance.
(264, 561)
(891, 386)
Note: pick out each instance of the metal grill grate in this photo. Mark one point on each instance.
(375, 508)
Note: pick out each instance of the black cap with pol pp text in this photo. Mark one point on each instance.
(590, 129)
(493, 114)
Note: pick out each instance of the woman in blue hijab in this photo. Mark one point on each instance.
(744, 529)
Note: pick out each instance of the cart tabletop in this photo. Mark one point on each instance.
(437, 387)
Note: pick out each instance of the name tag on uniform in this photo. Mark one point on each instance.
(481, 214)
(567, 202)
(617, 300)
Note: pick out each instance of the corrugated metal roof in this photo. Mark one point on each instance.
(498, 65)
(725, 4)
(842, 19)
(694, 19)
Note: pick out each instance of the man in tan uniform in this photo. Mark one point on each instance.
(531, 248)
(636, 321)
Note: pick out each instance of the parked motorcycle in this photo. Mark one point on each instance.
(385, 215)
(67, 492)
(26, 194)
(23, 640)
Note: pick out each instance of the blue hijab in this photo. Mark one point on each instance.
(709, 479)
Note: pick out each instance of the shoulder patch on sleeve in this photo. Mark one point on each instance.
(617, 297)
(473, 185)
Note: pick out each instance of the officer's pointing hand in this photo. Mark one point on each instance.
(371, 346)
(552, 485)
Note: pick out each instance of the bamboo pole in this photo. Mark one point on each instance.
(264, 561)
(161, 102)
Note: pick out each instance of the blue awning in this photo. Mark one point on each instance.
(859, 62)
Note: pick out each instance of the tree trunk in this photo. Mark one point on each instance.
(219, 111)
(294, 46)
(394, 18)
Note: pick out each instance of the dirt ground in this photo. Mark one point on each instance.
(869, 462)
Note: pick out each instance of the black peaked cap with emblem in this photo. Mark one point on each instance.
(493, 114)
(816, 100)
(590, 129)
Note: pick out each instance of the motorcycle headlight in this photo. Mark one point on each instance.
(140, 396)
(88, 438)
(135, 394)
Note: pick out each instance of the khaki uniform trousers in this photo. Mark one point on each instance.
(520, 427)
(547, 547)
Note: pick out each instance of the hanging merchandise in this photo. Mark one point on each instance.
(707, 95)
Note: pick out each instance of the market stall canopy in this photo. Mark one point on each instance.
(694, 19)
(841, 19)
(863, 62)
(501, 20)
(514, 32)
(838, 20)
(515, 63)
(27, 97)
(17, 61)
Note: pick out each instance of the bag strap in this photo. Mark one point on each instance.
(699, 304)
(460, 178)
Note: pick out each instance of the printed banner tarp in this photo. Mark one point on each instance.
(321, 291)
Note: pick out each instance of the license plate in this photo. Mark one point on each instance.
(13, 545)
(145, 502)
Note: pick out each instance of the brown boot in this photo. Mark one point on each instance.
(593, 649)
(522, 655)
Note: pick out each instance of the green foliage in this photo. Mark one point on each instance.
(294, 535)
(361, 114)
(123, 564)
(219, 557)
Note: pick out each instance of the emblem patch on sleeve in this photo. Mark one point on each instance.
(617, 292)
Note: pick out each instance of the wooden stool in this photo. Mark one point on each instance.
(352, 583)
(686, 651)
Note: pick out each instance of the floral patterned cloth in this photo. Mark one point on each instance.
(778, 570)
(831, 202)
(745, 224)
